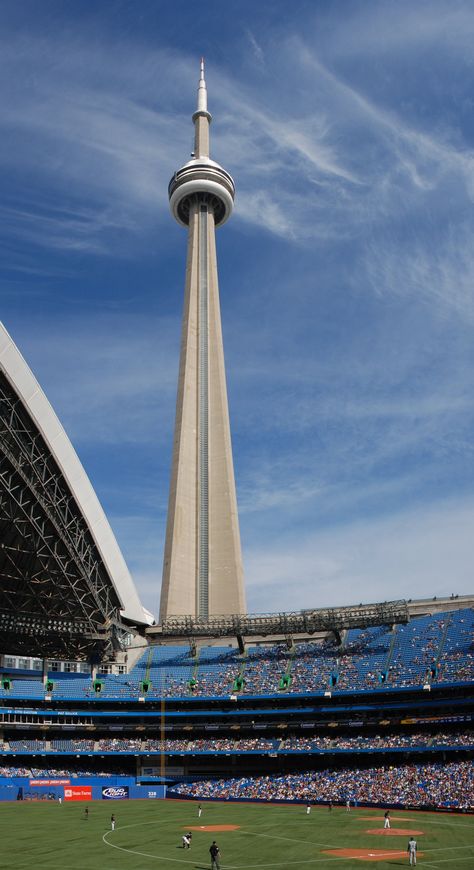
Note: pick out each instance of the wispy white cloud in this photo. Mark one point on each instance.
(441, 275)
(256, 49)
(142, 544)
(413, 555)
(260, 208)
(125, 382)
(98, 128)
(67, 229)
(423, 155)
(90, 134)
(305, 140)
(349, 347)
(404, 33)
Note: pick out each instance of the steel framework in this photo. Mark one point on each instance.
(286, 624)
(56, 597)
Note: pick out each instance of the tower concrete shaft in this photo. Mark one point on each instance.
(202, 571)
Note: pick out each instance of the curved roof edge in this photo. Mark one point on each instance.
(41, 411)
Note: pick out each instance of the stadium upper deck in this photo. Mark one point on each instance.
(428, 652)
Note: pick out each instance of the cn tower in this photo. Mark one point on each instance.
(202, 570)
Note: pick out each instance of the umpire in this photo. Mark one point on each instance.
(215, 854)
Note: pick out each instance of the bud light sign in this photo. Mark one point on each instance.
(115, 793)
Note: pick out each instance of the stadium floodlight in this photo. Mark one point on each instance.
(59, 637)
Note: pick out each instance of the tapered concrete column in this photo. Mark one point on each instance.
(202, 572)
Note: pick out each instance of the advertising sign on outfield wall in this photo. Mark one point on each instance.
(49, 782)
(142, 792)
(115, 793)
(78, 793)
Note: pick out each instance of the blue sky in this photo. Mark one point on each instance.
(346, 272)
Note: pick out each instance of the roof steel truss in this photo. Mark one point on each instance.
(303, 622)
(50, 568)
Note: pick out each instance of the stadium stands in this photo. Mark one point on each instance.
(27, 746)
(428, 650)
(392, 706)
(421, 785)
(75, 745)
(274, 744)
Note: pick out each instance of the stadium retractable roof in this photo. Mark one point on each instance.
(65, 590)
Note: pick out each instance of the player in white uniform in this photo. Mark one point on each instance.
(411, 850)
(386, 817)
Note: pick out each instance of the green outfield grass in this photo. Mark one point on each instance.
(46, 836)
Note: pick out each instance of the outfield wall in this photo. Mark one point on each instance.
(88, 788)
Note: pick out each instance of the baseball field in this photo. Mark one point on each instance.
(148, 834)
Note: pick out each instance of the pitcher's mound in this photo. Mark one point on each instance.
(367, 854)
(213, 828)
(394, 832)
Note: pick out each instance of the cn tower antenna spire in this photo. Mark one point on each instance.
(202, 91)
(201, 118)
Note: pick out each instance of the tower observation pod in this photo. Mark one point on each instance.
(202, 570)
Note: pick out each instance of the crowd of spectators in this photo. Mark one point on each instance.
(457, 661)
(73, 745)
(416, 651)
(56, 773)
(387, 741)
(119, 744)
(427, 649)
(10, 770)
(292, 743)
(448, 785)
(219, 744)
(459, 668)
(27, 745)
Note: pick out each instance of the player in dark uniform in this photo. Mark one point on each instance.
(215, 855)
